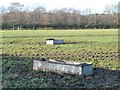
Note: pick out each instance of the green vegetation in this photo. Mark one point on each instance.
(20, 47)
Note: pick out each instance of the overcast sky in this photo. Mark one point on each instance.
(95, 5)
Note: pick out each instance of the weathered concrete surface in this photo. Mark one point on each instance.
(64, 67)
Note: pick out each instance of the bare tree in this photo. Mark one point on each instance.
(15, 12)
(15, 7)
(67, 18)
(111, 9)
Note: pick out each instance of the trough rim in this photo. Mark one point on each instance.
(63, 62)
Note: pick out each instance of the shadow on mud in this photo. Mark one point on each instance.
(18, 73)
(79, 42)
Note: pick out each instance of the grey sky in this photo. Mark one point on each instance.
(95, 5)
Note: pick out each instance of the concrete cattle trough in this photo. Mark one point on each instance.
(59, 66)
(54, 41)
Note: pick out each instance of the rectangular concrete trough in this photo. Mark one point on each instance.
(53, 41)
(59, 66)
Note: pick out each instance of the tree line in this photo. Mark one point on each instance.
(67, 18)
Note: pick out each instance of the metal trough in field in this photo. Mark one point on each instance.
(53, 41)
(58, 66)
